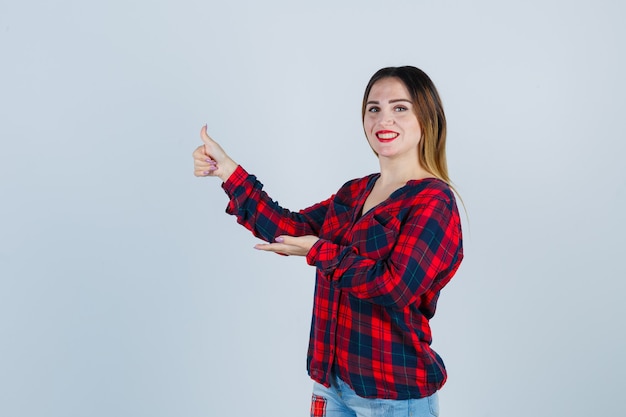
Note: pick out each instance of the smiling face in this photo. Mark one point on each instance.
(390, 120)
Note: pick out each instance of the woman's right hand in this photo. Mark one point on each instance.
(210, 160)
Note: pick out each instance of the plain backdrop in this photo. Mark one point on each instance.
(125, 290)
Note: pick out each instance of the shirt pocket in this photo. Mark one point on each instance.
(377, 237)
(337, 223)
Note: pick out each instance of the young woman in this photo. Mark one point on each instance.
(383, 246)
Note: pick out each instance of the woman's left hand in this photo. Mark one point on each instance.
(289, 245)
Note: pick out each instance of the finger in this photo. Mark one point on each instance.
(268, 247)
(203, 165)
(205, 169)
(204, 162)
(203, 172)
(288, 240)
(272, 247)
(199, 153)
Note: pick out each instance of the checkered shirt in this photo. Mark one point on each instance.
(378, 278)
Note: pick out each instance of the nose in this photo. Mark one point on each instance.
(387, 117)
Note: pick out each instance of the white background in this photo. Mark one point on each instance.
(126, 291)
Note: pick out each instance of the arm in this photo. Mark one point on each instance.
(265, 217)
(424, 252)
(252, 206)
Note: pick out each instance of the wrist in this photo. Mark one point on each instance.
(226, 169)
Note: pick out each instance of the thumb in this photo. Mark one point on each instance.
(287, 240)
(206, 139)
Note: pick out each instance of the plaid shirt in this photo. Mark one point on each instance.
(378, 278)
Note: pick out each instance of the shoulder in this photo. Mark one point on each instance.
(430, 189)
(431, 201)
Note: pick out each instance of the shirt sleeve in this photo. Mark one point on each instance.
(264, 217)
(426, 251)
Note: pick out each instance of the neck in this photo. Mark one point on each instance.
(393, 171)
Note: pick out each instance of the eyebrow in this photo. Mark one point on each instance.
(390, 101)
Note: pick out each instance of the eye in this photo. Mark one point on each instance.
(400, 108)
(373, 109)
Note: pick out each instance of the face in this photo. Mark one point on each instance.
(390, 123)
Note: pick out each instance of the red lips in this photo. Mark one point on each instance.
(386, 135)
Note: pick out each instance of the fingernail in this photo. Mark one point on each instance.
(205, 172)
(280, 239)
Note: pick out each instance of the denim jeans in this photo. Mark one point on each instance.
(341, 401)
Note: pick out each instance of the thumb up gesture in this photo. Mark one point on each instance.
(210, 160)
